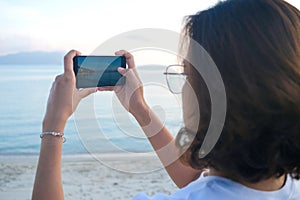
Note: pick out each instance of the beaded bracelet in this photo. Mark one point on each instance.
(54, 134)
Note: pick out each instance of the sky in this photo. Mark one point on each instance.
(60, 25)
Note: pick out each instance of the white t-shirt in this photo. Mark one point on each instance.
(219, 188)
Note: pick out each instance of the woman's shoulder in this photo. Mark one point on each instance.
(202, 188)
(294, 188)
(215, 188)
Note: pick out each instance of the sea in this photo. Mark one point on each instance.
(100, 124)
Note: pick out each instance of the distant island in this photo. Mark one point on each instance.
(33, 58)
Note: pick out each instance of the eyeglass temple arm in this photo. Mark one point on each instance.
(171, 73)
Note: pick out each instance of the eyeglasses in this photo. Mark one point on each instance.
(176, 78)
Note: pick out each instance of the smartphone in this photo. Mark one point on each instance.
(98, 71)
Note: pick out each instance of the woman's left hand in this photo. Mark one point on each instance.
(64, 97)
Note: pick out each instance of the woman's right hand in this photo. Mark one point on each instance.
(131, 94)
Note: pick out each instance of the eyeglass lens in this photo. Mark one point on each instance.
(176, 78)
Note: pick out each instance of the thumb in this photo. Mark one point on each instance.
(86, 91)
(122, 71)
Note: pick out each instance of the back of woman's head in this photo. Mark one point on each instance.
(256, 47)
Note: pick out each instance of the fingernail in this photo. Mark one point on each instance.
(121, 69)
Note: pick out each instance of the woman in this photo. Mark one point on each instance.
(256, 46)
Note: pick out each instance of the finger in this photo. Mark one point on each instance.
(130, 73)
(130, 62)
(120, 52)
(129, 58)
(117, 89)
(122, 71)
(86, 91)
(58, 77)
(108, 88)
(68, 61)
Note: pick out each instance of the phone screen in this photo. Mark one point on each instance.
(98, 71)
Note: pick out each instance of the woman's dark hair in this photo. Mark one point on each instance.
(256, 47)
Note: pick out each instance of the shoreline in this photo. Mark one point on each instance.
(12, 158)
(115, 176)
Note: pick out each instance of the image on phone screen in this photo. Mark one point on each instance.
(98, 71)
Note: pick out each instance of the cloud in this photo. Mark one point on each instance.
(83, 25)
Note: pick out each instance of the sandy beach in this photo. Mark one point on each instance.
(105, 176)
